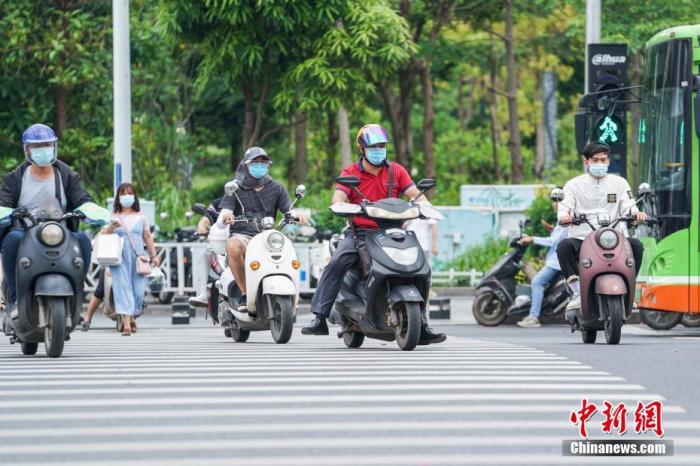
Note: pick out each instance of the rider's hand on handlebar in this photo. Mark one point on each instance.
(229, 219)
(302, 218)
(566, 219)
(641, 216)
(525, 240)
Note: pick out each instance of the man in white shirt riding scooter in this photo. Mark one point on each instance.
(593, 194)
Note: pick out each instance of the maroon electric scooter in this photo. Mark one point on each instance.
(606, 275)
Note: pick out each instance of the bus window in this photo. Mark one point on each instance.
(663, 150)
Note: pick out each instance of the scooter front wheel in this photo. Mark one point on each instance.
(282, 323)
(407, 331)
(55, 331)
(488, 310)
(613, 326)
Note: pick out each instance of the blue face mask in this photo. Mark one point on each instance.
(42, 156)
(127, 200)
(375, 155)
(258, 170)
(598, 169)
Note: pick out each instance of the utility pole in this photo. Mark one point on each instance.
(122, 92)
(592, 32)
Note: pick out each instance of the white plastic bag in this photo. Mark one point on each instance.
(108, 249)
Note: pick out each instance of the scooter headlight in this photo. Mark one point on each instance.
(406, 256)
(608, 239)
(51, 234)
(275, 241)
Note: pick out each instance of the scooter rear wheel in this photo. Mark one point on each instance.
(239, 335)
(55, 331)
(613, 326)
(353, 339)
(488, 310)
(282, 323)
(407, 331)
(29, 349)
(588, 336)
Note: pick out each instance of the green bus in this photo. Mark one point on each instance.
(669, 160)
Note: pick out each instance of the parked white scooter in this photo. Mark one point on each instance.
(272, 278)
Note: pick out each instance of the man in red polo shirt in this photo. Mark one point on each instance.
(379, 179)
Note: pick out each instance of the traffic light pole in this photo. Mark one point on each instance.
(592, 32)
(122, 92)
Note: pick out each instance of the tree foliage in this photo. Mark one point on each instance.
(212, 77)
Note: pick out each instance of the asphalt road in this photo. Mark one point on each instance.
(187, 395)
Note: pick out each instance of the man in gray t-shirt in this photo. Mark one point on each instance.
(40, 194)
(45, 183)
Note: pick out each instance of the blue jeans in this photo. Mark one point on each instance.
(543, 278)
(10, 247)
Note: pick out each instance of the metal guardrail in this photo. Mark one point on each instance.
(176, 281)
(174, 277)
(450, 277)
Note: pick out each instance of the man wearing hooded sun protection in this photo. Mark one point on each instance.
(258, 196)
(593, 194)
(41, 182)
(379, 179)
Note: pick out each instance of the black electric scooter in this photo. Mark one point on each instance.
(497, 294)
(50, 276)
(386, 298)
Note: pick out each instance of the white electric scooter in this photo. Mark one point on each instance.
(272, 278)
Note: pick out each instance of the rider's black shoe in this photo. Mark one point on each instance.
(428, 337)
(318, 326)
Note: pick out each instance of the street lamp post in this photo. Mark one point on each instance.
(122, 92)
(592, 32)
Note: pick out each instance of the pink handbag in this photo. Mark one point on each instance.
(143, 263)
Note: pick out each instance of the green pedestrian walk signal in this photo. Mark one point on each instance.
(609, 130)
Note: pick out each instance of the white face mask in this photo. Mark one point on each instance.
(127, 200)
(598, 169)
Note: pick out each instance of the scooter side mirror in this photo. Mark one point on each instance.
(231, 187)
(164, 216)
(300, 191)
(200, 209)
(644, 189)
(557, 195)
(351, 182)
(426, 184)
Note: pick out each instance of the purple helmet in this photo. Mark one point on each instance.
(38, 133)
(44, 155)
(370, 135)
